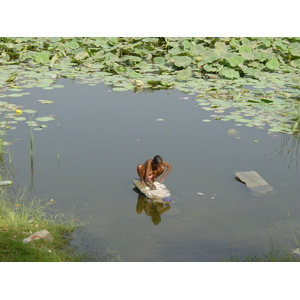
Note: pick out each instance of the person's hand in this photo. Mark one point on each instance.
(162, 179)
(153, 187)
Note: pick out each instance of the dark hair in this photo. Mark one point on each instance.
(157, 159)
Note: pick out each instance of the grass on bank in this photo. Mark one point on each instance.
(274, 253)
(271, 255)
(19, 218)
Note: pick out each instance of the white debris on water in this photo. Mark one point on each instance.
(297, 251)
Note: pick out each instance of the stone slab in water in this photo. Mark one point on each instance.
(253, 181)
(140, 187)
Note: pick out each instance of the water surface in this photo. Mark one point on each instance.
(86, 160)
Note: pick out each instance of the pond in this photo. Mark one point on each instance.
(86, 161)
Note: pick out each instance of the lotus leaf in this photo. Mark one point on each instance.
(234, 61)
(45, 101)
(73, 44)
(182, 61)
(245, 49)
(120, 69)
(134, 74)
(31, 123)
(184, 75)
(159, 60)
(44, 119)
(296, 52)
(261, 56)
(186, 44)
(29, 111)
(81, 55)
(119, 89)
(197, 63)
(273, 64)
(196, 50)
(15, 95)
(265, 41)
(229, 73)
(220, 49)
(42, 57)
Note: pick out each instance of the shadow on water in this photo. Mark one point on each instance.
(86, 159)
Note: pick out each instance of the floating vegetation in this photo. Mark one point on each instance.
(45, 119)
(29, 111)
(12, 115)
(254, 76)
(46, 101)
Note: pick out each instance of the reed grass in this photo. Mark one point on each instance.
(19, 218)
(293, 230)
(273, 253)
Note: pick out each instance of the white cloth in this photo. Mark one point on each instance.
(160, 192)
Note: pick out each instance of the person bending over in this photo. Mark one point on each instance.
(152, 169)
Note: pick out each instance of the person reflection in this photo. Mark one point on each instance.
(151, 208)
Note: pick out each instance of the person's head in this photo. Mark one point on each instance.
(157, 159)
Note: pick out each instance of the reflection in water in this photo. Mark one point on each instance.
(289, 149)
(152, 209)
(116, 141)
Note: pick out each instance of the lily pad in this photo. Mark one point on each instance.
(29, 111)
(46, 101)
(273, 64)
(184, 75)
(31, 123)
(42, 57)
(229, 73)
(45, 119)
(15, 95)
(182, 61)
(159, 60)
(218, 68)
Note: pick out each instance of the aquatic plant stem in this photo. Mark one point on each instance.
(293, 230)
(31, 155)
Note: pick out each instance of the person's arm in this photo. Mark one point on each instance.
(147, 174)
(169, 167)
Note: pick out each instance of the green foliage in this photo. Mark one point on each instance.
(42, 57)
(159, 60)
(73, 44)
(273, 254)
(229, 73)
(182, 61)
(19, 218)
(272, 64)
(236, 53)
(187, 64)
(236, 60)
(184, 74)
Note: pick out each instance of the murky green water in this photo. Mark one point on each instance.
(86, 161)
